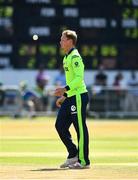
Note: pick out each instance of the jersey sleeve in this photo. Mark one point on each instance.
(78, 70)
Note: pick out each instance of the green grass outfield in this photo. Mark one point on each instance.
(35, 142)
(25, 143)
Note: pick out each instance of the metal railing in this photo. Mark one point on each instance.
(113, 101)
(104, 102)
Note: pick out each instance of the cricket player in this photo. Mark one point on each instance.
(73, 99)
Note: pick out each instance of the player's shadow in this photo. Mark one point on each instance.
(50, 169)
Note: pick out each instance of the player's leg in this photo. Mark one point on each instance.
(79, 121)
(62, 125)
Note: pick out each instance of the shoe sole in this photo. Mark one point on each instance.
(79, 167)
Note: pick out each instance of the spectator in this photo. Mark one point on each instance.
(131, 98)
(2, 94)
(100, 82)
(28, 98)
(101, 78)
(133, 81)
(60, 79)
(118, 90)
(118, 81)
(42, 80)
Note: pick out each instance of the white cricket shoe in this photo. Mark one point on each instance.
(77, 165)
(69, 161)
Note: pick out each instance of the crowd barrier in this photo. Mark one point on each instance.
(104, 102)
(113, 101)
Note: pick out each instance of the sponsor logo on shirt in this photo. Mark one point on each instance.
(76, 64)
(66, 68)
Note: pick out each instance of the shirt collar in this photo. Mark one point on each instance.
(70, 51)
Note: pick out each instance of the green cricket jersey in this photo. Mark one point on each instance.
(74, 72)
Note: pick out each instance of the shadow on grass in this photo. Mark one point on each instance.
(50, 169)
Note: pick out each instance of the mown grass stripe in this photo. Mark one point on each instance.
(62, 154)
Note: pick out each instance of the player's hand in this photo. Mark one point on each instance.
(60, 101)
(59, 91)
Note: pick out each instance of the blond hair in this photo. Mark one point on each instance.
(71, 35)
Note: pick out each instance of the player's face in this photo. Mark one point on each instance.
(64, 42)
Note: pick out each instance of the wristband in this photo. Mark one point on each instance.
(67, 88)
